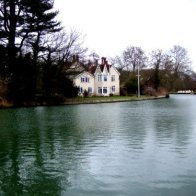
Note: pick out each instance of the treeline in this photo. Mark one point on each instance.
(160, 72)
(34, 49)
(35, 52)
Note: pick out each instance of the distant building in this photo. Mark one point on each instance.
(96, 79)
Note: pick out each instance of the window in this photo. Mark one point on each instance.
(99, 90)
(99, 78)
(82, 79)
(113, 89)
(113, 78)
(104, 90)
(105, 77)
(85, 79)
(90, 90)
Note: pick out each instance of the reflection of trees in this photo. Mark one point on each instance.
(43, 149)
(9, 156)
(24, 157)
(10, 175)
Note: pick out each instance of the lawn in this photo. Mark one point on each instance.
(103, 99)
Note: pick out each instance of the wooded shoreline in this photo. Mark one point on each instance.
(81, 100)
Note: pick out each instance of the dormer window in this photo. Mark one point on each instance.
(105, 78)
(99, 78)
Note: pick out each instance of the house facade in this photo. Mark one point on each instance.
(85, 81)
(100, 80)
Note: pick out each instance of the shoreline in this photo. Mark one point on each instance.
(111, 100)
(80, 100)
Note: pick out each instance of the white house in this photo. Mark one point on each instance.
(86, 82)
(100, 79)
(106, 79)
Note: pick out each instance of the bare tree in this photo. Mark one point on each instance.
(131, 58)
(167, 64)
(61, 47)
(157, 58)
(134, 57)
(157, 61)
(180, 59)
(119, 62)
(94, 56)
(71, 43)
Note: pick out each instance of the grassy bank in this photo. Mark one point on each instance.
(89, 100)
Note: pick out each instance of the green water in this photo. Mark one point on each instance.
(136, 148)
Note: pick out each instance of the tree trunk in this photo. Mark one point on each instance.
(12, 35)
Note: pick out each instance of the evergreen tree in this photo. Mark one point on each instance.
(23, 19)
(24, 22)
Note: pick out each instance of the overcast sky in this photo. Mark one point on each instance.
(112, 25)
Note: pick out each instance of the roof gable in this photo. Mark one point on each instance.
(98, 69)
(77, 68)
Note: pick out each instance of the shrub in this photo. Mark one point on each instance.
(85, 94)
(150, 91)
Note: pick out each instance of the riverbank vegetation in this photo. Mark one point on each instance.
(36, 51)
(159, 71)
(81, 100)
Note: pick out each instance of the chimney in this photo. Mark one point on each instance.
(103, 61)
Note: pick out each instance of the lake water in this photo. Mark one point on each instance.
(140, 148)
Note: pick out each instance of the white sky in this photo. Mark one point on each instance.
(112, 25)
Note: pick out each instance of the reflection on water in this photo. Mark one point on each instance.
(133, 148)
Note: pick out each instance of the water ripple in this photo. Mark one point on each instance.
(133, 148)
